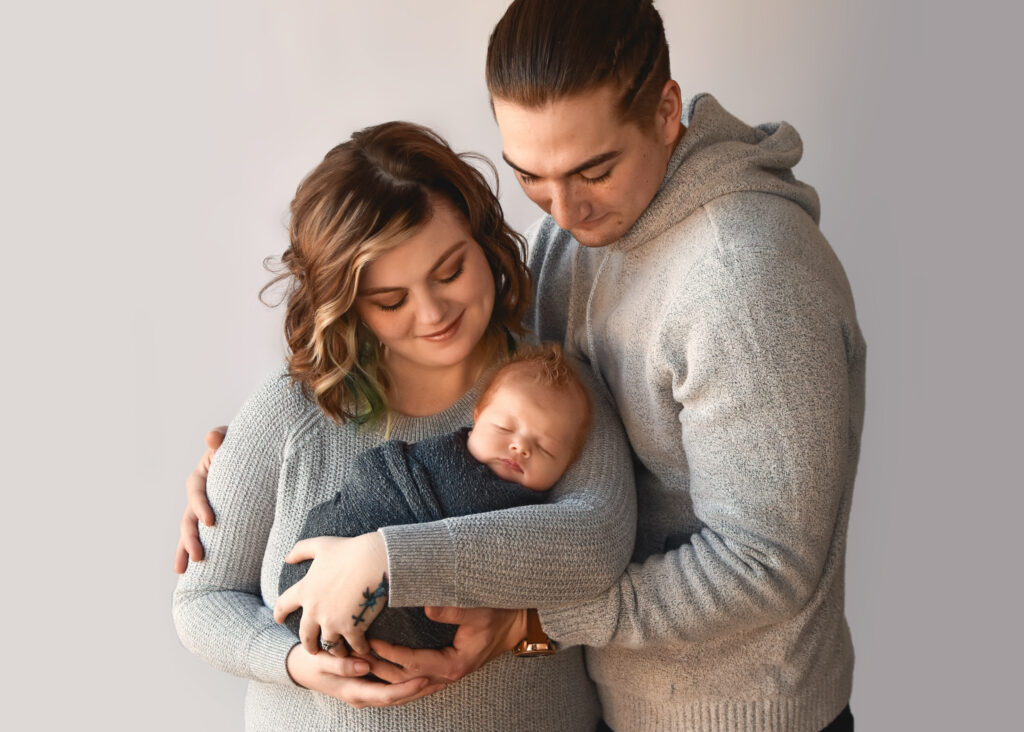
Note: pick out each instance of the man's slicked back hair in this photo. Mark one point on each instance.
(545, 50)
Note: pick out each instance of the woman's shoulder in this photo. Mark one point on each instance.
(278, 411)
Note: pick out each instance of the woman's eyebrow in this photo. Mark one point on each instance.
(440, 261)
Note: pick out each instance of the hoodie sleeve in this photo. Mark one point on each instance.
(765, 356)
(563, 551)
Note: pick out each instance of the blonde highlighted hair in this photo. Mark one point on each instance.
(368, 195)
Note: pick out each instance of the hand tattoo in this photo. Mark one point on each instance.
(370, 598)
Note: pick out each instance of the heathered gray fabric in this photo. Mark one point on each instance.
(402, 483)
(724, 326)
(282, 456)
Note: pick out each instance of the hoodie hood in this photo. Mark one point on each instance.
(719, 155)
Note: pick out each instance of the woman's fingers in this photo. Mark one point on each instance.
(356, 639)
(303, 550)
(348, 666)
(362, 694)
(287, 603)
(434, 664)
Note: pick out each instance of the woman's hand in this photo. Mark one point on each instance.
(345, 588)
(339, 677)
(198, 508)
(484, 633)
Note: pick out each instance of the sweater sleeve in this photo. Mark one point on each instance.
(218, 607)
(763, 356)
(563, 551)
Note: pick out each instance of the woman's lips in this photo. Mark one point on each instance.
(446, 333)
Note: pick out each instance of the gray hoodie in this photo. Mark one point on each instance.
(724, 327)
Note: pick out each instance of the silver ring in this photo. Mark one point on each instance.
(328, 645)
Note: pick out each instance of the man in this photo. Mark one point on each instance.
(683, 261)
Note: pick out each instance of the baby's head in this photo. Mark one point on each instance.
(531, 421)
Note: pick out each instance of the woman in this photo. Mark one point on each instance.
(405, 285)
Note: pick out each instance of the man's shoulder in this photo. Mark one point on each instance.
(545, 241)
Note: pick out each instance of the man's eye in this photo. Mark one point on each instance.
(597, 179)
(528, 179)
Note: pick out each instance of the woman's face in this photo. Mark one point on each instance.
(429, 300)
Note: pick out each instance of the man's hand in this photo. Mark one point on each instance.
(343, 591)
(483, 634)
(339, 677)
(198, 508)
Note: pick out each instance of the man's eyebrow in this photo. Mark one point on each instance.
(589, 163)
(440, 261)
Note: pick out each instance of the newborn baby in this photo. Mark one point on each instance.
(529, 425)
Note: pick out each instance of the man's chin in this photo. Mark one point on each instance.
(594, 239)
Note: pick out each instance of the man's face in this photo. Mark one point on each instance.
(575, 158)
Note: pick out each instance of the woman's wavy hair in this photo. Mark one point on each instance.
(368, 195)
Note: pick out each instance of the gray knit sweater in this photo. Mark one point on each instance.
(724, 327)
(743, 399)
(282, 456)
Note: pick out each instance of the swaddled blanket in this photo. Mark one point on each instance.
(402, 483)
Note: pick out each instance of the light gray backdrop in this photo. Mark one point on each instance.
(149, 152)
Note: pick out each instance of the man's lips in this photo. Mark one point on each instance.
(591, 222)
(445, 332)
(512, 464)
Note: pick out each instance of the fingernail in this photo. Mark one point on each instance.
(361, 667)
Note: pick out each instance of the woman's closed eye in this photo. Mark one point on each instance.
(389, 306)
(453, 275)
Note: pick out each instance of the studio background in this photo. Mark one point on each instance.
(149, 153)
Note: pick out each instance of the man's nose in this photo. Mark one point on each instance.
(567, 207)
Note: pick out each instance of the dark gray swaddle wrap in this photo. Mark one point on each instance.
(401, 483)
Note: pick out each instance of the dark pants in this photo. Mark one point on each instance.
(842, 723)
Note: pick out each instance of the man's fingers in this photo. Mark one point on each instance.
(387, 671)
(180, 558)
(195, 488)
(189, 537)
(453, 615)
(215, 437)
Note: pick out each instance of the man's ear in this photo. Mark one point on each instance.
(669, 113)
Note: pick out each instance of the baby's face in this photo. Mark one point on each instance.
(526, 433)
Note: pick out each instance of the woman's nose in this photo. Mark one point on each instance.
(431, 309)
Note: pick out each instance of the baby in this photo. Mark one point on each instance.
(529, 425)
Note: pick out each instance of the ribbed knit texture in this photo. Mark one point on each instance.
(724, 326)
(281, 457)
